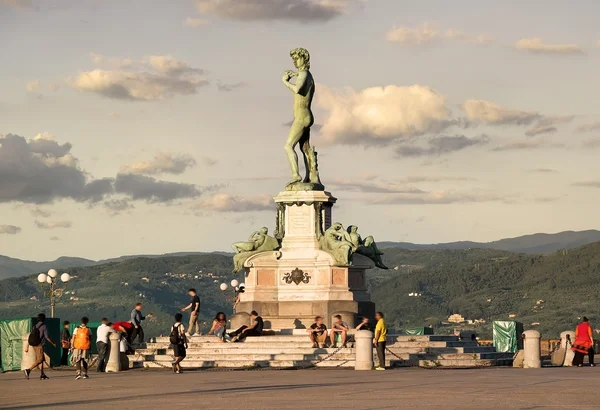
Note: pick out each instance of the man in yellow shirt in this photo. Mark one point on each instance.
(379, 339)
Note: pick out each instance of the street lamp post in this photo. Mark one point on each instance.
(51, 279)
(237, 289)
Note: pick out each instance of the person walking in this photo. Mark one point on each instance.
(379, 340)
(584, 343)
(65, 343)
(194, 308)
(102, 343)
(36, 340)
(82, 348)
(179, 341)
(136, 321)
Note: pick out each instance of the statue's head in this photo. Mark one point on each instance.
(301, 58)
(352, 229)
(337, 226)
(264, 230)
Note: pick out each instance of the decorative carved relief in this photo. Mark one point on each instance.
(296, 276)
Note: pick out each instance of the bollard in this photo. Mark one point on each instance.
(532, 351)
(364, 350)
(566, 342)
(114, 364)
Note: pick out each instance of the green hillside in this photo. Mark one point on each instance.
(491, 285)
(477, 283)
(111, 290)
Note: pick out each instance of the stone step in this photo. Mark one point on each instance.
(259, 357)
(241, 364)
(303, 336)
(250, 350)
(457, 363)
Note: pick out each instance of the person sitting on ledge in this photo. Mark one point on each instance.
(317, 332)
(339, 331)
(364, 325)
(255, 329)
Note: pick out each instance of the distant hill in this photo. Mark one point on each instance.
(538, 243)
(553, 290)
(111, 290)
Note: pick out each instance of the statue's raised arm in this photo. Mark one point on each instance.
(304, 90)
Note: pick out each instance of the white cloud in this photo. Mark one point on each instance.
(486, 112)
(159, 78)
(230, 203)
(541, 129)
(594, 126)
(292, 10)
(162, 163)
(536, 45)
(53, 225)
(440, 198)
(429, 33)
(381, 114)
(9, 229)
(194, 22)
(33, 86)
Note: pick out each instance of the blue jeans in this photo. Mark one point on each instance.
(220, 332)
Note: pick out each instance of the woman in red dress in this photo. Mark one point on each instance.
(584, 343)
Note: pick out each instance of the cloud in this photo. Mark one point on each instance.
(33, 86)
(441, 145)
(141, 187)
(381, 114)
(440, 198)
(53, 225)
(40, 213)
(592, 143)
(231, 203)
(116, 206)
(536, 45)
(41, 170)
(54, 86)
(194, 22)
(527, 145)
(305, 11)
(209, 161)
(372, 187)
(430, 33)
(54, 238)
(162, 163)
(158, 78)
(229, 87)
(486, 112)
(541, 129)
(18, 4)
(594, 126)
(588, 184)
(543, 171)
(9, 229)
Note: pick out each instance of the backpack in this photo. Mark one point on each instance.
(35, 338)
(175, 336)
(81, 339)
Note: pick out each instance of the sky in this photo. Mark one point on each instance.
(154, 126)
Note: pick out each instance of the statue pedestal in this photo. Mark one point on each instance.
(290, 286)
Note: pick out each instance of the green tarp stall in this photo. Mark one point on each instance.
(507, 335)
(93, 326)
(419, 331)
(11, 341)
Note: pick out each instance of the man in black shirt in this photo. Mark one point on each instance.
(317, 332)
(194, 306)
(255, 329)
(365, 325)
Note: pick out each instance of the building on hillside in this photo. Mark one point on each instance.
(456, 318)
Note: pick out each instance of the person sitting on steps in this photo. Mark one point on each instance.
(255, 329)
(339, 331)
(317, 332)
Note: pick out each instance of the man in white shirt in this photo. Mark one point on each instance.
(102, 343)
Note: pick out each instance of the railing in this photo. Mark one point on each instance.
(546, 345)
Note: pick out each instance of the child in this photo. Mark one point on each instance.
(81, 343)
(179, 341)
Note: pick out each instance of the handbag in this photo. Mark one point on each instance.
(65, 344)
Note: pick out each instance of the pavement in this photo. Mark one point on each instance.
(488, 388)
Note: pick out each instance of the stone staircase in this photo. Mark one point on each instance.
(294, 350)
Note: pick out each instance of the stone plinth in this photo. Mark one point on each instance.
(290, 286)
